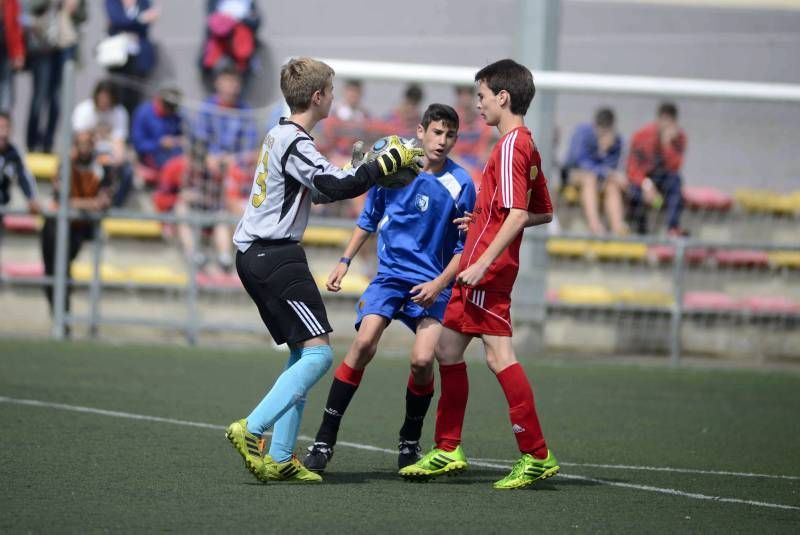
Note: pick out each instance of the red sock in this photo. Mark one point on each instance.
(348, 375)
(419, 390)
(452, 405)
(522, 411)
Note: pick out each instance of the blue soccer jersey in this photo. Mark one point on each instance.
(416, 234)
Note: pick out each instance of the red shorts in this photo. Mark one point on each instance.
(475, 311)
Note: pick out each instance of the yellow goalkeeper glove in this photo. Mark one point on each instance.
(393, 153)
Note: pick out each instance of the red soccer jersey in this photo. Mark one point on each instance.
(512, 178)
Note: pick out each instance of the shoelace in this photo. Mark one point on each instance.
(517, 469)
(320, 448)
(409, 447)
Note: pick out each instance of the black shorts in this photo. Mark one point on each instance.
(276, 276)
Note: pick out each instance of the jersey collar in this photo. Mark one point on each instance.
(284, 120)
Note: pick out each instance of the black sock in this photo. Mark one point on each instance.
(338, 399)
(416, 408)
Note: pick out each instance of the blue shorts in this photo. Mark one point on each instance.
(389, 297)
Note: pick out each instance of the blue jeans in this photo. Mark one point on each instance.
(6, 82)
(669, 185)
(47, 71)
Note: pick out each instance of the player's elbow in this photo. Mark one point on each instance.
(546, 218)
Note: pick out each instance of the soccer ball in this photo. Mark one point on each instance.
(401, 178)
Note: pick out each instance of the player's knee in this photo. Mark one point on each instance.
(421, 362)
(364, 349)
(497, 362)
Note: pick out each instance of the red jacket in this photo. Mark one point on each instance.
(15, 44)
(648, 156)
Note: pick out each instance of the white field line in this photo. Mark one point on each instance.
(476, 462)
(661, 469)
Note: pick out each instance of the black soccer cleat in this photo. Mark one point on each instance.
(319, 454)
(410, 453)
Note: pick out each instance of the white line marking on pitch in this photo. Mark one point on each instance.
(477, 462)
(662, 469)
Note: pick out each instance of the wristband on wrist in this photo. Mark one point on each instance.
(345, 260)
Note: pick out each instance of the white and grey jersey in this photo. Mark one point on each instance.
(289, 172)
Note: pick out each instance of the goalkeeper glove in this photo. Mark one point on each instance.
(392, 153)
(357, 157)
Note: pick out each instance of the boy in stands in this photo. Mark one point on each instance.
(513, 195)
(273, 268)
(418, 253)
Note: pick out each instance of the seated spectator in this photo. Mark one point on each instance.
(225, 139)
(591, 165)
(231, 29)
(345, 124)
(201, 190)
(226, 126)
(12, 51)
(475, 137)
(157, 132)
(403, 120)
(108, 121)
(12, 168)
(654, 165)
(133, 18)
(52, 34)
(90, 192)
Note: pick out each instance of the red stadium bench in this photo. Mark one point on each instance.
(227, 280)
(706, 198)
(666, 253)
(741, 258)
(709, 301)
(22, 224)
(778, 305)
(23, 270)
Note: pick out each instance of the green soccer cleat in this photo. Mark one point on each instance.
(247, 444)
(435, 463)
(291, 470)
(528, 470)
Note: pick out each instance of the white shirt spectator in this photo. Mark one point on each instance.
(108, 126)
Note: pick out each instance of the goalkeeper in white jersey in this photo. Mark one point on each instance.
(273, 267)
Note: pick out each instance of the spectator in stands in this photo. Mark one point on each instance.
(231, 30)
(52, 37)
(202, 190)
(403, 120)
(133, 18)
(591, 165)
(12, 51)
(654, 165)
(350, 107)
(51, 31)
(157, 131)
(89, 192)
(12, 168)
(225, 138)
(475, 137)
(108, 121)
(226, 126)
(346, 124)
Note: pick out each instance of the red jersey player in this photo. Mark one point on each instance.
(513, 195)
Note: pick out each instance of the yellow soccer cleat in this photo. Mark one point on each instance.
(435, 463)
(247, 444)
(291, 470)
(528, 470)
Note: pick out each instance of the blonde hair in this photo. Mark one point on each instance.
(300, 78)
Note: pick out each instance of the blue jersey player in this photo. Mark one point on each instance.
(419, 248)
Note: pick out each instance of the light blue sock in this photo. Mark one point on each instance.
(290, 388)
(285, 430)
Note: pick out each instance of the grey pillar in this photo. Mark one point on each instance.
(536, 46)
(61, 275)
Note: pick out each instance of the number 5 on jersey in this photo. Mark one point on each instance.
(261, 178)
